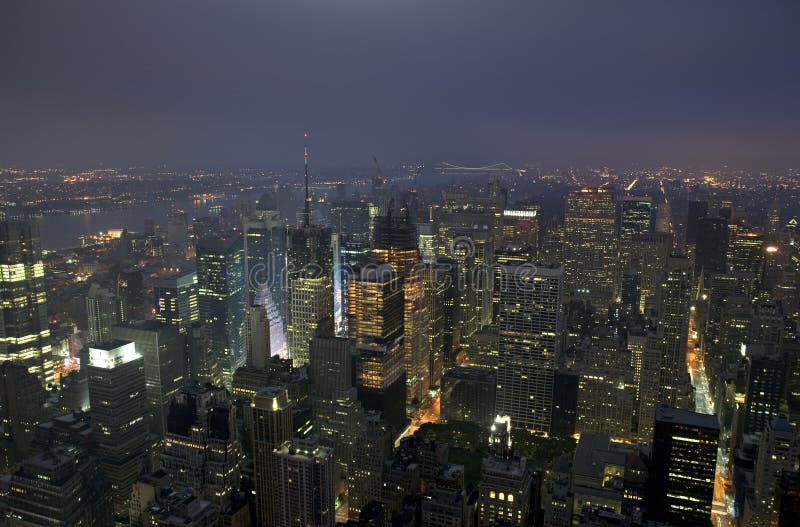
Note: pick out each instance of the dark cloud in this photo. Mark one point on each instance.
(235, 82)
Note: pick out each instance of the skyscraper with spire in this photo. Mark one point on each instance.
(309, 273)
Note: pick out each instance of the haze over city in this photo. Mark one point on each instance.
(204, 83)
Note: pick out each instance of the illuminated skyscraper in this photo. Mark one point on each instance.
(271, 414)
(104, 310)
(591, 254)
(24, 327)
(673, 332)
(529, 322)
(506, 485)
(304, 484)
(310, 288)
(395, 242)
(176, 299)
(222, 299)
(163, 349)
(264, 334)
(683, 467)
(375, 300)
(118, 401)
(636, 216)
(265, 252)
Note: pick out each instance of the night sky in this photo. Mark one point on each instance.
(235, 83)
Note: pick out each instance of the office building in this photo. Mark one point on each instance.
(59, 486)
(711, 251)
(375, 304)
(264, 335)
(673, 332)
(506, 486)
(364, 471)
(271, 416)
(636, 218)
(468, 394)
(381, 380)
(104, 310)
(778, 452)
(443, 507)
(304, 484)
(118, 400)
(395, 243)
(591, 252)
(201, 361)
(309, 295)
(222, 299)
(162, 347)
(176, 299)
(201, 447)
(265, 252)
(648, 254)
(530, 324)
(683, 467)
(25, 329)
(697, 211)
(766, 377)
(22, 401)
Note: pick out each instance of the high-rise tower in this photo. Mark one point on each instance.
(590, 247)
(222, 299)
(24, 328)
(530, 323)
(271, 413)
(119, 408)
(309, 275)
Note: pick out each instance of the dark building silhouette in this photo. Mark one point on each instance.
(683, 467)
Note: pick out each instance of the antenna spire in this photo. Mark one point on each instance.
(307, 211)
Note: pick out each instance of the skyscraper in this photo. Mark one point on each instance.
(673, 332)
(162, 348)
(506, 485)
(271, 414)
(265, 252)
(309, 295)
(22, 400)
(176, 299)
(304, 474)
(60, 486)
(530, 323)
(777, 453)
(590, 247)
(364, 470)
(24, 327)
(118, 401)
(264, 335)
(683, 467)
(104, 310)
(201, 448)
(711, 252)
(395, 242)
(636, 216)
(766, 377)
(222, 299)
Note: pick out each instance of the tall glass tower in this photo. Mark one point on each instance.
(24, 328)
